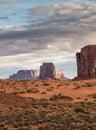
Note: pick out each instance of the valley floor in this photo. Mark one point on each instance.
(47, 105)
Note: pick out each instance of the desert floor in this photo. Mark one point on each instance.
(48, 105)
(46, 89)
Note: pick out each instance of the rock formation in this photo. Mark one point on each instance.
(25, 74)
(47, 71)
(60, 75)
(86, 62)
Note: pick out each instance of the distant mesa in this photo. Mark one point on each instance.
(86, 68)
(25, 74)
(86, 62)
(47, 71)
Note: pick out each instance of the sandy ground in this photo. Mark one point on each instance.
(46, 89)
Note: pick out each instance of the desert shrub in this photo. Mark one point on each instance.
(46, 84)
(21, 124)
(80, 110)
(93, 126)
(77, 87)
(86, 99)
(36, 85)
(94, 95)
(33, 90)
(49, 89)
(88, 85)
(83, 127)
(60, 96)
(27, 128)
(67, 84)
(43, 114)
(75, 84)
(22, 92)
(43, 92)
(15, 125)
(44, 102)
(32, 82)
(14, 93)
(59, 85)
(1, 126)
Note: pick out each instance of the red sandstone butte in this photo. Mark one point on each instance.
(47, 71)
(86, 62)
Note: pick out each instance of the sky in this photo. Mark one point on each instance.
(37, 31)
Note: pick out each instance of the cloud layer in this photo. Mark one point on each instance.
(49, 31)
(63, 27)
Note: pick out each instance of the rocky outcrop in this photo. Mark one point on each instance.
(24, 75)
(47, 71)
(60, 75)
(86, 62)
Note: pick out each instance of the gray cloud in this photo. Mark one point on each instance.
(3, 18)
(51, 31)
(63, 27)
(65, 14)
(6, 1)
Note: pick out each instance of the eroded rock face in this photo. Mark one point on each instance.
(25, 74)
(86, 62)
(60, 75)
(47, 71)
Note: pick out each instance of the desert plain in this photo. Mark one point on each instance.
(48, 105)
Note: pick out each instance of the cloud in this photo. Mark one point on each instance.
(8, 7)
(52, 33)
(63, 26)
(3, 18)
(6, 1)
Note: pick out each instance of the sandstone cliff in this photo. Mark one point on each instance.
(47, 71)
(86, 62)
